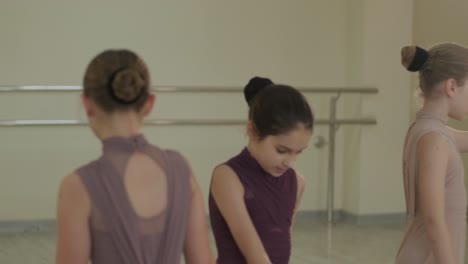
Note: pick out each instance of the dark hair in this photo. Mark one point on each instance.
(440, 63)
(276, 109)
(117, 80)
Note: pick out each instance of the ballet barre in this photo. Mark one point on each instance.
(192, 89)
(174, 122)
(332, 122)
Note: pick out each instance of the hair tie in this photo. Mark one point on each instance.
(420, 58)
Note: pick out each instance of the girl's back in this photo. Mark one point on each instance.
(140, 201)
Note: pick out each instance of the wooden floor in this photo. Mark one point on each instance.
(312, 244)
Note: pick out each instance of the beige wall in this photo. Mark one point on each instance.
(208, 42)
(375, 182)
(352, 105)
(219, 43)
(381, 181)
(373, 154)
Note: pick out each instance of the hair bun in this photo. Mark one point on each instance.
(126, 85)
(413, 58)
(254, 86)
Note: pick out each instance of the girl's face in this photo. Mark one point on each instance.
(277, 153)
(458, 105)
